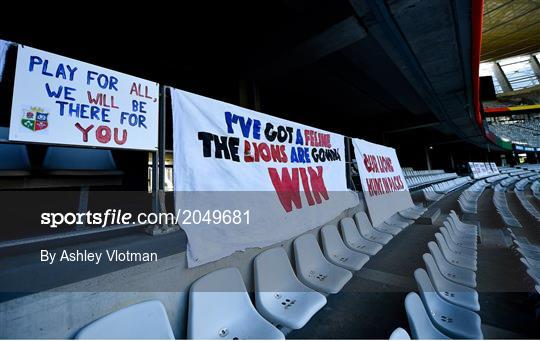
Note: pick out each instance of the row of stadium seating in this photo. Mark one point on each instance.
(409, 172)
(423, 180)
(529, 254)
(501, 203)
(437, 191)
(535, 188)
(519, 190)
(220, 307)
(525, 132)
(448, 302)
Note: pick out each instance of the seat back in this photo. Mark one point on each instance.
(350, 231)
(362, 222)
(273, 272)
(400, 334)
(146, 320)
(216, 301)
(442, 285)
(419, 321)
(14, 156)
(63, 158)
(308, 254)
(331, 240)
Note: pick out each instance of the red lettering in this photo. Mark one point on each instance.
(287, 188)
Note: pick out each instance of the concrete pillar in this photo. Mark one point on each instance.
(535, 66)
(428, 160)
(501, 77)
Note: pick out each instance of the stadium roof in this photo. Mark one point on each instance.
(510, 28)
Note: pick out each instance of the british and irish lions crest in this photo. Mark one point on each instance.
(35, 119)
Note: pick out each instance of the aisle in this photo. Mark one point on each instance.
(502, 287)
(372, 304)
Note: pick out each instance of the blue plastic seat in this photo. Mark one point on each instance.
(14, 160)
(76, 161)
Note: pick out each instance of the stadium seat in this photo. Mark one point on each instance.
(459, 238)
(338, 253)
(452, 320)
(537, 289)
(450, 291)
(146, 320)
(385, 228)
(14, 160)
(399, 334)
(529, 254)
(314, 270)
(220, 307)
(421, 326)
(353, 239)
(451, 257)
(413, 213)
(460, 250)
(367, 231)
(452, 272)
(530, 263)
(461, 226)
(79, 161)
(527, 246)
(399, 221)
(279, 296)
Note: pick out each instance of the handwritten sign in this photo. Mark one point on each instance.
(58, 100)
(383, 183)
(289, 176)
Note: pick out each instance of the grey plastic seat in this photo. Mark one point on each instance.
(314, 270)
(527, 246)
(459, 239)
(460, 250)
(338, 253)
(386, 228)
(449, 223)
(353, 239)
(452, 292)
(452, 272)
(459, 260)
(413, 213)
(399, 221)
(530, 263)
(367, 231)
(279, 296)
(534, 274)
(452, 320)
(529, 254)
(146, 320)
(537, 287)
(220, 308)
(461, 226)
(421, 326)
(399, 334)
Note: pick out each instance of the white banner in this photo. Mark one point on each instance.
(289, 177)
(481, 170)
(383, 183)
(59, 100)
